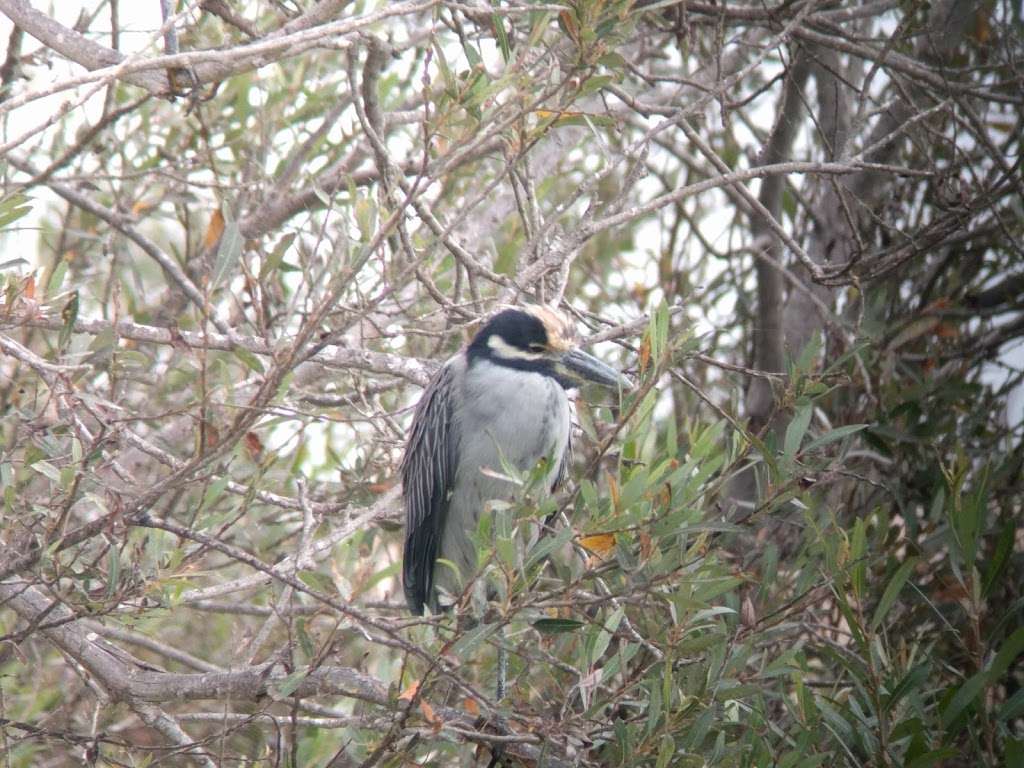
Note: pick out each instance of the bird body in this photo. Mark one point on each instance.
(535, 428)
(502, 401)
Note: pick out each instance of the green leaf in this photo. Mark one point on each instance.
(556, 626)
(858, 568)
(472, 54)
(469, 641)
(836, 434)
(908, 683)
(285, 687)
(1011, 648)
(935, 757)
(665, 751)
(810, 353)
(13, 208)
(654, 705)
(366, 218)
(69, 314)
(661, 323)
(604, 635)
(305, 641)
(892, 591)
(796, 430)
(1013, 707)
(501, 35)
(964, 697)
(228, 253)
(446, 71)
(56, 280)
(113, 571)
(274, 258)
(213, 492)
(969, 520)
(996, 564)
(1014, 749)
(317, 581)
(547, 545)
(250, 360)
(595, 83)
(612, 61)
(47, 469)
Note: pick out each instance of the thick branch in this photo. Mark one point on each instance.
(209, 66)
(128, 680)
(338, 358)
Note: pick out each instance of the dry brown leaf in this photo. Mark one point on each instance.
(570, 25)
(646, 545)
(428, 715)
(748, 614)
(384, 487)
(253, 445)
(410, 692)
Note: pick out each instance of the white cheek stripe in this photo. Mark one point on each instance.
(503, 349)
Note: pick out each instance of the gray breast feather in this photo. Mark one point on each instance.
(467, 421)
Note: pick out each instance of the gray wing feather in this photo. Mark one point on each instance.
(428, 474)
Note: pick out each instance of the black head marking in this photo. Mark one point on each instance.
(521, 332)
(516, 328)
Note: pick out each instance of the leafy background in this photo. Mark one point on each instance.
(239, 238)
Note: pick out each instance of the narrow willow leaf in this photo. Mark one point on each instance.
(892, 591)
(796, 430)
(228, 253)
(836, 434)
(1011, 648)
(556, 626)
(964, 697)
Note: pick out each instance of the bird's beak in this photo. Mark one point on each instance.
(580, 366)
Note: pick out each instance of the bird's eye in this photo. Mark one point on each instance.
(536, 347)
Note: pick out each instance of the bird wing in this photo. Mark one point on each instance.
(428, 474)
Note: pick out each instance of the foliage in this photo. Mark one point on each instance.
(228, 274)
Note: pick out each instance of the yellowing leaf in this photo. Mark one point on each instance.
(141, 206)
(613, 490)
(982, 31)
(213, 230)
(600, 544)
(645, 352)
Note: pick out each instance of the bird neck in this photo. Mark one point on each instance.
(478, 353)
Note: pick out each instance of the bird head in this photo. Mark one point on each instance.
(544, 341)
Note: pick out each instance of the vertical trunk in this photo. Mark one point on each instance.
(844, 219)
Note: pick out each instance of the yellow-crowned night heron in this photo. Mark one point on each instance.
(500, 399)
